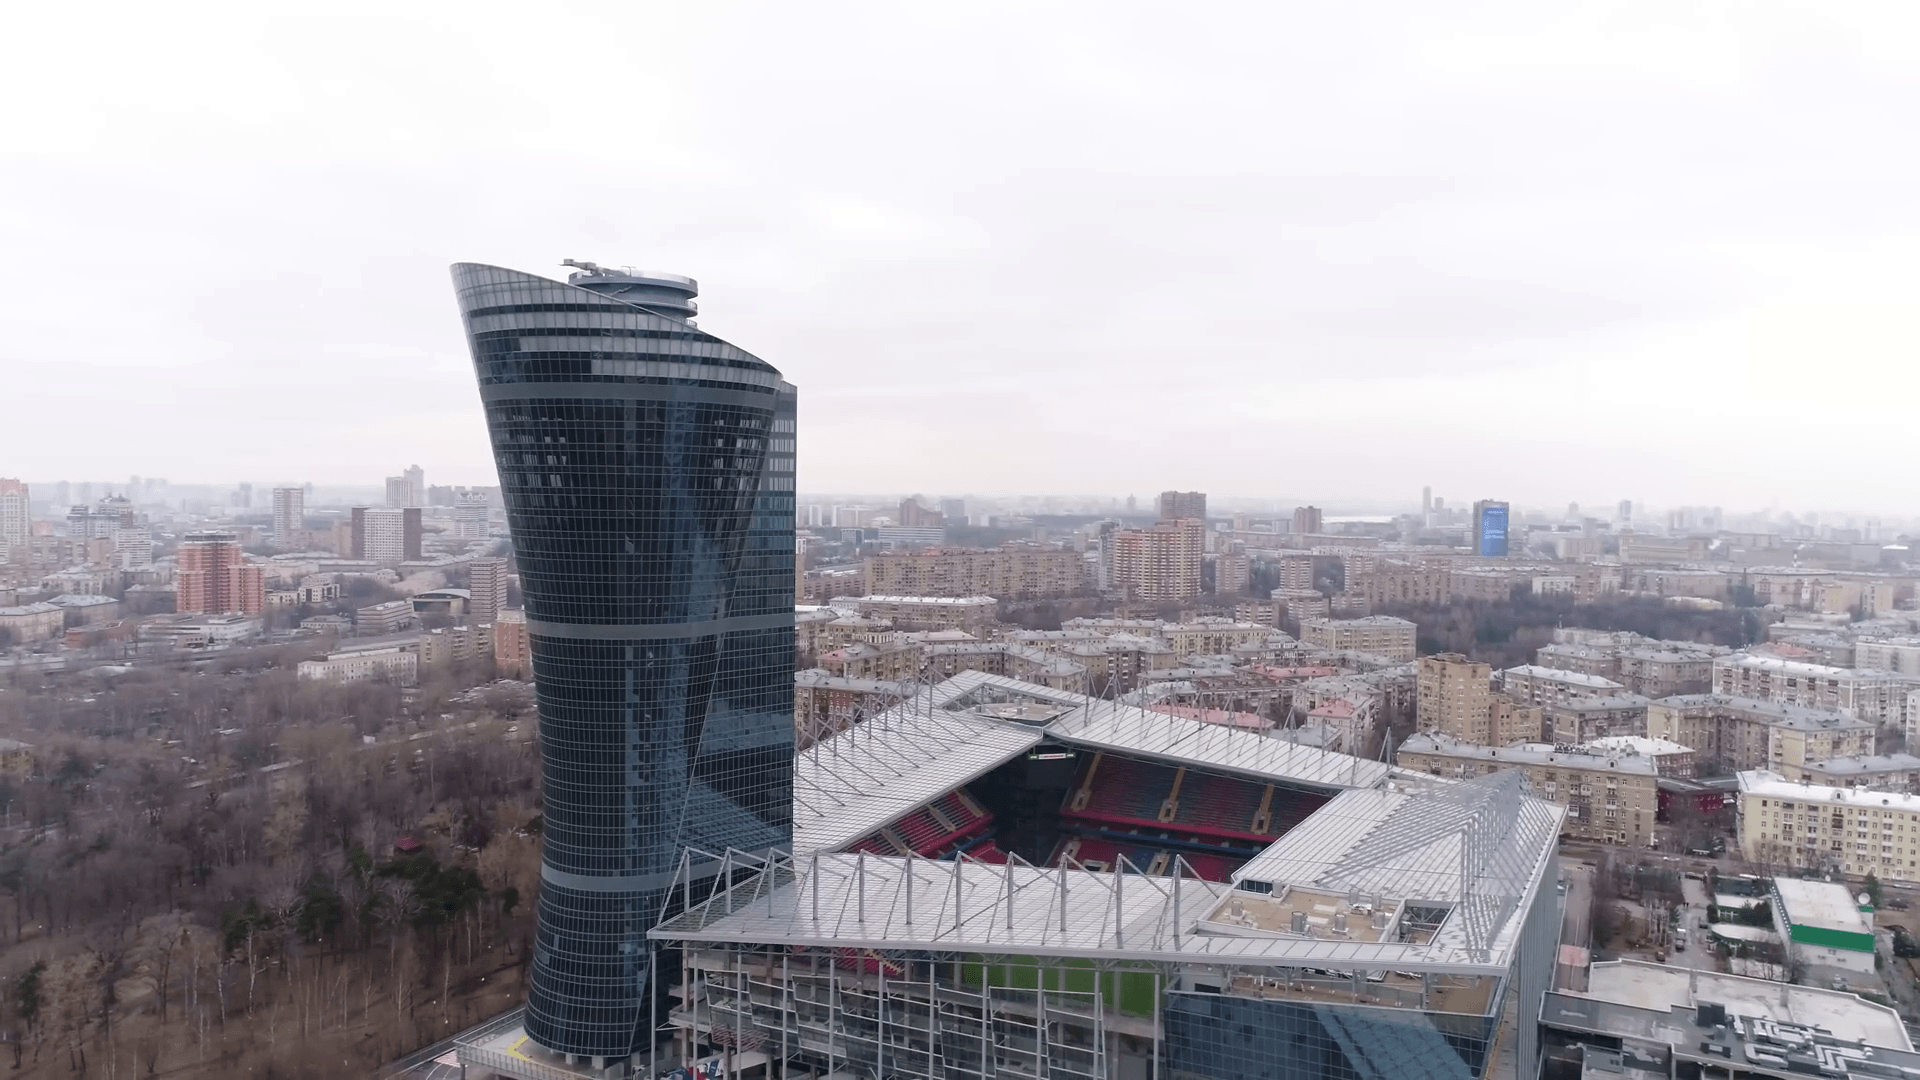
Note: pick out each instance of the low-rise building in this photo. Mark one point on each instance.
(1380, 635)
(1610, 797)
(887, 662)
(26, 623)
(1823, 924)
(973, 614)
(1807, 826)
(393, 663)
(88, 609)
(450, 643)
(824, 703)
(1531, 684)
(1901, 655)
(377, 620)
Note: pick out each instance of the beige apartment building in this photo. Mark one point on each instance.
(1881, 772)
(1855, 831)
(1879, 696)
(1484, 583)
(395, 664)
(1532, 684)
(1744, 733)
(1232, 573)
(1397, 582)
(1021, 662)
(1160, 564)
(973, 614)
(1454, 696)
(1210, 636)
(1010, 574)
(1574, 721)
(1610, 797)
(1380, 635)
(885, 661)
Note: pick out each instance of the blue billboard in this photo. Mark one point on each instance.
(1493, 530)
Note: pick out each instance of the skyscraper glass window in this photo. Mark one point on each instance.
(647, 470)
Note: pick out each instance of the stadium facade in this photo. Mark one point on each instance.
(647, 470)
(1001, 879)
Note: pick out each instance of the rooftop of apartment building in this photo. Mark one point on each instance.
(1770, 712)
(1860, 765)
(1767, 784)
(931, 601)
(1532, 753)
(1560, 675)
(1635, 744)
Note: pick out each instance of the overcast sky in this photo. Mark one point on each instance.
(1543, 251)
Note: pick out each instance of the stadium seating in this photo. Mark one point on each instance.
(1127, 790)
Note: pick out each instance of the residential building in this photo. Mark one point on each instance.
(824, 703)
(1609, 797)
(1380, 635)
(697, 627)
(1658, 672)
(1806, 826)
(472, 518)
(16, 520)
(487, 587)
(1879, 696)
(1455, 697)
(23, 624)
(1576, 720)
(1900, 655)
(512, 651)
(1543, 686)
(451, 643)
(1009, 574)
(132, 547)
(407, 489)
(1232, 572)
(1745, 733)
(289, 516)
(387, 535)
(1160, 564)
(1670, 759)
(1881, 772)
(1295, 572)
(392, 664)
(215, 578)
(973, 614)
(1183, 506)
(914, 516)
(16, 758)
(1308, 521)
(1394, 581)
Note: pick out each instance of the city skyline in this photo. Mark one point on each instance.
(1486, 256)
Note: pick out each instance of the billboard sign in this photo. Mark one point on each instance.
(1493, 530)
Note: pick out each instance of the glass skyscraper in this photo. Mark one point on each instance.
(647, 469)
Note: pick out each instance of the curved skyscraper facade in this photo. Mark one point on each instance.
(647, 469)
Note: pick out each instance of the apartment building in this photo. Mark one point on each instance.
(1454, 697)
(289, 516)
(1657, 672)
(451, 643)
(16, 520)
(1879, 696)
(1577, 720)
(886, 661)
(1745, 733)
(1807, 826)
(1296, 572)
(1532, 684)
(387, 535)
(1602, 663)
(1881, 772)
(1209, 636)
(1380, 635)
(1610, 797)
(487, 586)
(388, 618)
(1669, 758)
(1899, 655)
(1399, 582)
(1232, 573)
(1638, 547)
(1021, 662)
(1009, 574)
(21, 624)
(215, 578)
(1486, 584)
(1183, 506)
(1160, 564)
(972, 614)
(824, 703)
(512, 651)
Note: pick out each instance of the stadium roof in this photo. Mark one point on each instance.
(1411, 846)
(1476, 846)
(1129, 729)
(849, 785)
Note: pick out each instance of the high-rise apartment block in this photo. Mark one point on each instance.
(487, 582)
(289, 515)
(409, 488)
(1296, 572)
(1232, 571)
(16, 519)
(1179, 505)
(1308, 521)
(387, 534)
(1454, 697)
(214, 577)
(647, 468)
(914, 516)
(1160, 564)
